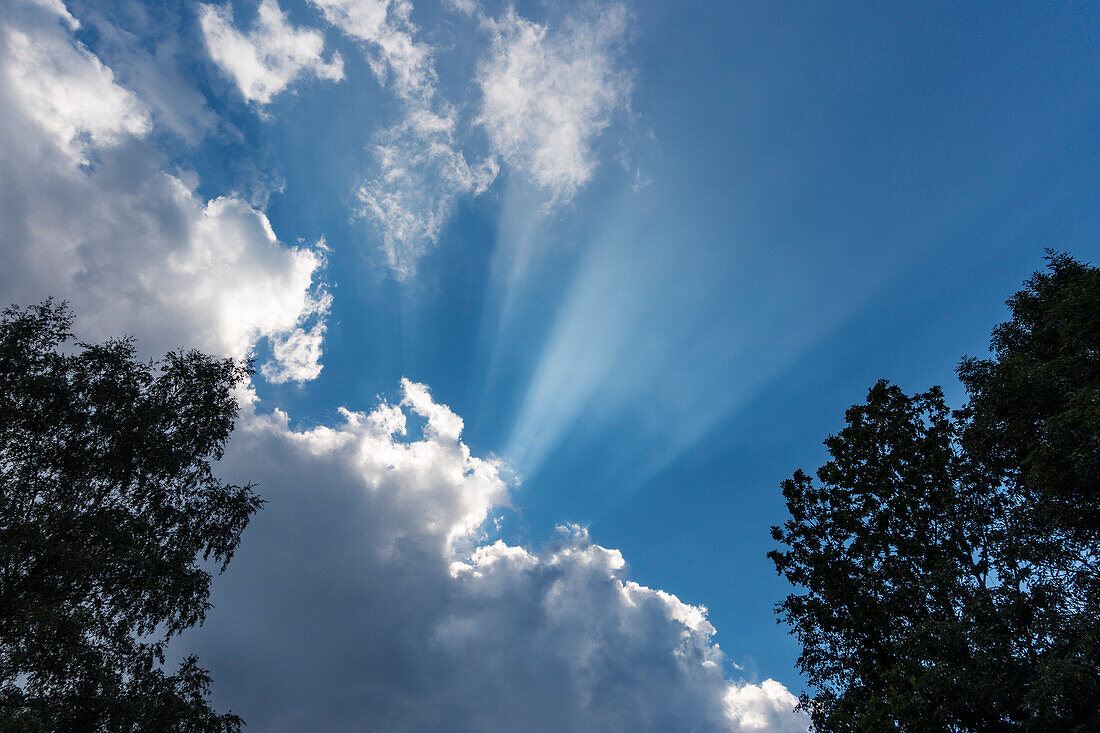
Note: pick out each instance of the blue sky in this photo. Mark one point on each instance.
(648, 252)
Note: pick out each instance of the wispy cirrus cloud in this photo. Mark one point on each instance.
(421, 175)
(547, 94)
(421, 168)
(268, 58)
(395, 55)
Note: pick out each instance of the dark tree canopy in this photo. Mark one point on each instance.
(948, 560)
(1035, 406)
(109, 510)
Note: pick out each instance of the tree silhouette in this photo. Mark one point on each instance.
(949, 560)
(108, 511)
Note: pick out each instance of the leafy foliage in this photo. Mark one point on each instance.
(1035, 407)
(949, 559)
(108, 509)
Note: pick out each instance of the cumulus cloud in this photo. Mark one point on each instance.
(66, 91)
(370, 594)
(547, 95)
(89, 215)
(144, 47)
(297, 353)
(764, 707)
(267, 59)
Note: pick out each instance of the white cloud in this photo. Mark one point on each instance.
(466, 7)
(420, 176)
(430, 490)
(67, 91)
(89, 215)
(421, 168)
(764, 707)
(271, 56)
(395, 56)
(368, 594)
(57, 7)
(144, 47)
(547, 95)
(296, 355)
(421, 171)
